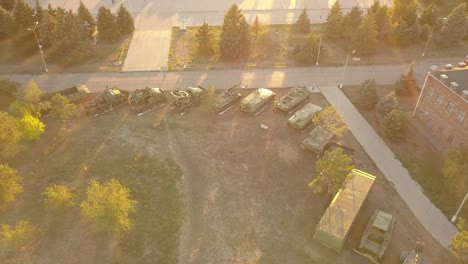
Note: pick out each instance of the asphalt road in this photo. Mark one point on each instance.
(223, 79)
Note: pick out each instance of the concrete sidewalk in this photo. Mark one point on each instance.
(430, 217)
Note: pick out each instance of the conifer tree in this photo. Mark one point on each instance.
(125, 21)
(204, 40)
(352, 20)
(455, 27)
(429, 16)
(107, 25)
(256, 28)
(235, 39)
(404, 10)
(23, 15)
(85, 15)
(334, 24)
(307, 54)
(302, 25)
(365, 40)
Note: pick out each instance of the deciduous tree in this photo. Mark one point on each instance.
(455, 27)
(61, 107)
(331, 122)
(235, 39)
(204, 41)
(19, 237)
(332, 169)
(108, 207)
(460, 241)
(10, 185)
(125, 21)
(302, 25)
(31, 127)
(365, 39)
(107, 25)
(368, 94)
(455, 171)
(307, 53)
(10, 134)
(334, 23)
(59, 197)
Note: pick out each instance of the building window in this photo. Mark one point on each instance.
(430, 92)
(440, 99)
(441, 130)
(450, 139)
(460, 117)
(430, 123)
(449, 108)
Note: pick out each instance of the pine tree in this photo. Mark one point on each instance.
(125, 21)
(7, 4)
(404, 10)
(107, 25)
(393, 124)
(407, 84)
(85, 15)
(256, 28)
(38, 11)
(429, 16)
(387, 104)
(368, 94)
(374, 7)
(455, 27)
(235, 39)
(365, 40)
(383, 23)
(334, 24)
(352, 20)
(6, 23)
(204, 41)
(23, 16)
(307, 54)
(406, 35)
(302, 25)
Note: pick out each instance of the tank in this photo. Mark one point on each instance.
(293, 99)
(142, 100)
(303, 117)
(316, 140)
(257, 101)
(377, 234)
(229, 97)
(108, 100)
(76, 94)
(182, 99)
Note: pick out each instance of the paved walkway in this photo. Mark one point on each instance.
(431, 217)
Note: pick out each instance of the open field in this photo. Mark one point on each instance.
(416, 153)
(241, 190)
(274, 46)
(102, 60)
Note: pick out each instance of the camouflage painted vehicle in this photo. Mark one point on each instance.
(257, 101)
(76, 94)
(109, 99)
(316, 140)
(182, 99)
(303, 117)
(142, 100)
(414, 256)
(229, 97)
(378, 233)
(293, 99)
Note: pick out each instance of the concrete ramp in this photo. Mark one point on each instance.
(148, 51)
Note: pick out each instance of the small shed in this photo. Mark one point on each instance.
(333, 229)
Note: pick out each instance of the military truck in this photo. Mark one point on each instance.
(316, 140)
(229, 97)
(142, 100)
(415, 256)
(377, 234)
(182, 99)
(293, 98)
(303, 117)
(257, 101)
(108, 100)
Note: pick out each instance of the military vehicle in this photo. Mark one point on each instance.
(316, 140)
(229, 97)
(76, 94)
(303, 117)
(257, 101)
(293, 99)
(414, 256)
(182, 99)
(377, 234)
(142, 100)
(109, 99)
(332, 145)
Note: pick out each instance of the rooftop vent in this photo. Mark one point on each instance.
(448, 66)
(454, 86)
(461, 64)
(465, 94)
(443, 78)
(434, 68)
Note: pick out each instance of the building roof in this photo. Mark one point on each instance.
(457, 75)
(340, 215)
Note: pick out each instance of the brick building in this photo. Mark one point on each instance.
(442, 107)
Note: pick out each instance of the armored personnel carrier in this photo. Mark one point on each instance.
(142, 100)
(293, 99)
(378, 233)
(109, 99)
(229, 97)
(257, 101)
(303, 117)
(185, 98)
(316, 140)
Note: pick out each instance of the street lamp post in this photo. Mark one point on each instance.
(454, 218)
(39, 45)
(318, 52)
(430, 35)
(344, 68)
